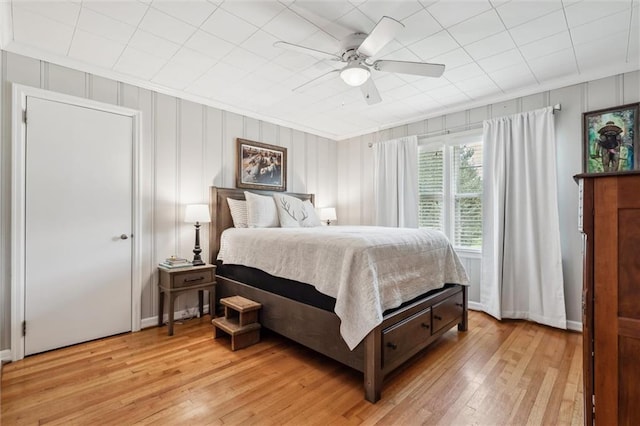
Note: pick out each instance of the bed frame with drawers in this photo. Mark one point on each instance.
(402, 333)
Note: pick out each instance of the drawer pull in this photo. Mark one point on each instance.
(459, 304)
(438, 317)
(392, 345)
(190, 280)
(425, 325)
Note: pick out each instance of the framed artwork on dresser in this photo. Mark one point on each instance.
(610, 139)
(261, 166)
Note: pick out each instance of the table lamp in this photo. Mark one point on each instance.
(328, 214)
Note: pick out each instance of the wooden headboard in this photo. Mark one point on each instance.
(221, 216)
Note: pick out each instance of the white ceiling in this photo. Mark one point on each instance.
(221, 53)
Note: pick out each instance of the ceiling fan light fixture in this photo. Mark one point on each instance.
(355, 74)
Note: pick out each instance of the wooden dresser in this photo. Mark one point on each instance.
(610, 222)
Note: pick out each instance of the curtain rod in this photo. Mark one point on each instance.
(556, 108)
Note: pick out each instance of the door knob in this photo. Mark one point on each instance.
(124, 236)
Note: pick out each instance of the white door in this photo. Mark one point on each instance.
(78, 222)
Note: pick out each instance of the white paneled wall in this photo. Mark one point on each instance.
(186, 148)
(355, 169)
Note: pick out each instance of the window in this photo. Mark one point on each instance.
(450, 186)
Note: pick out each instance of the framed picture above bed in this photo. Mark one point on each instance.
(610, 139)
(261, 166)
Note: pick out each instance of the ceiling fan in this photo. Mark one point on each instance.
(357, 51)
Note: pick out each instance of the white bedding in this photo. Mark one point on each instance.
(366, 269)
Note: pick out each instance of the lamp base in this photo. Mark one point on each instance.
(197, 260)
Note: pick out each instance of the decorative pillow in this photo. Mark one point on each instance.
(293, 212)
(261, 211)
(238, 209)
(313, 219)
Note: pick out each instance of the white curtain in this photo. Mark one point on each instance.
(396, 182)
(521, 256)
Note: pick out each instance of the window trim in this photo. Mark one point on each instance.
(447, 142)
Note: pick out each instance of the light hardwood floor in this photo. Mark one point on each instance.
(511, 373)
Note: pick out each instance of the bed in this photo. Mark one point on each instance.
(311, 321)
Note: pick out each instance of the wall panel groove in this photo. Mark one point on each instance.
(5, 208)
(44, 75)
(178, 176)
(203, 154)
(223, 135)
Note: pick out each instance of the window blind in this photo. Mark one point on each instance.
(431, 188)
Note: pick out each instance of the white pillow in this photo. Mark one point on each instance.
(261, 211)
(313, 219)
(289, 210)
(293, 212)
(238, 209)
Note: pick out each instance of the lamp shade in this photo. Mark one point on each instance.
(355, 74)
(328, 213)
(197, 213)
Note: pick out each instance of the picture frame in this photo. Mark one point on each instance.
(260, 166)
(610, 140)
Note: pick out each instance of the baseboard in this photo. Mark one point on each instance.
(574, 326)
(571, 325)
(5, 355)
(475, 306)
(177, 316)
(148, 322)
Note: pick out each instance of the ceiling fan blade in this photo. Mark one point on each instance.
(416, 68)
(307, 50)
(384, 31)
(370, 92)
(316, 81)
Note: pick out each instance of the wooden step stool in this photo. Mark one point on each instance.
(240, 322)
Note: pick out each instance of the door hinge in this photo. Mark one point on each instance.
(593, 405)
(24, 116)
(24, 328)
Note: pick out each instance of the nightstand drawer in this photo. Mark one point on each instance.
(192, 278)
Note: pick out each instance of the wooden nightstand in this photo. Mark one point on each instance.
(179, 280)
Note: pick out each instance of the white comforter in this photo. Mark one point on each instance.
(366, 269)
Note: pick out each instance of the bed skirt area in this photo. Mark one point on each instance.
(295, 290)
